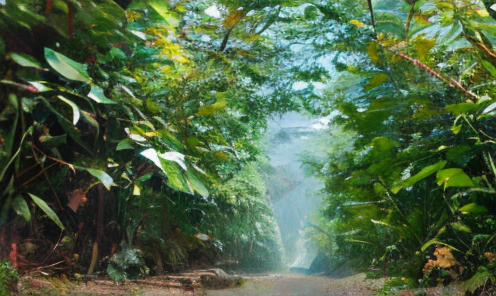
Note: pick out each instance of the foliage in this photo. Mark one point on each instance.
(120, 94)
(413, 89)
(126, 264)
(246, 225)
(8, 278)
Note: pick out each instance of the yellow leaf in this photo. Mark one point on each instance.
(423, 47)
(180, 59)
(373, 51)
(232, 19)
(137, 190)
(357, 23)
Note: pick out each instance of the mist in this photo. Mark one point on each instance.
(294, 195)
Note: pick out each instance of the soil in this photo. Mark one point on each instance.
(259, 285)
(301, 285)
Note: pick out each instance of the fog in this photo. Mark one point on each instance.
(295, 196)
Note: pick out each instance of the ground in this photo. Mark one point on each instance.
(259, 285)
(288, 284)
(301, 285)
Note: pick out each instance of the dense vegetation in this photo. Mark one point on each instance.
(153, 110)
(156, 109)
(410, 175)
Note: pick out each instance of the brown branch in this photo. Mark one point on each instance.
(449, 81)
(27, 169)
(49, 5)
(70, 19)
(55, 159)
(37, 175)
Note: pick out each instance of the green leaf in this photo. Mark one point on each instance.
(91, 121)
(75, 109)
(489, 67)
(382, 223)
(196, 184)
(210, 109)
(462, 108)
(376, 81)
(66, 67)
(175, 157)
(472, 208)
(25, 60)
(106, 180)
(478, 279)
(489, 108)
(436, 242)
(96, 94)
(424, 173)
(454, 178)
(175, 177)
(152, 155)
(71, 130)
(460, 227)
(125, 144)
(52, 142)
(21, 207)
(45, 208)
(162, 9)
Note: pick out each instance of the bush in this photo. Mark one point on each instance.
(8, 278)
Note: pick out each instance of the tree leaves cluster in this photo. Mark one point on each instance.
(130, 96)
(414, 88)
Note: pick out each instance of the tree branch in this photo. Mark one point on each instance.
(226, 39)
(411, 14)
(449, 81)
(372, 17)
(271, 21)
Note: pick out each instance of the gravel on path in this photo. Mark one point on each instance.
(302, 285)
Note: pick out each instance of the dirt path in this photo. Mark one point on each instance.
(267, 285)
(290, 284)
(300, 285)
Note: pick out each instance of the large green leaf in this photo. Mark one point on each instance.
(175, 157)
(66, 67)
(45, 208)
(162, 9)
(152, 155)
(105, 178)
(196, 184)
(25, 60)
(454, 178)
(472, 208)
(424, 173)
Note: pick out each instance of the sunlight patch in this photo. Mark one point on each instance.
(213, 11)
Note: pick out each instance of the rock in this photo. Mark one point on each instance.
(218, 279)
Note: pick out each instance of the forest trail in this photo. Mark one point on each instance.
(300, 285)
(258, 285)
